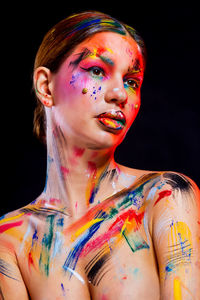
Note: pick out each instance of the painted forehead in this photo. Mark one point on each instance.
(110, 46)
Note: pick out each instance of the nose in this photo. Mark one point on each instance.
(116, 93)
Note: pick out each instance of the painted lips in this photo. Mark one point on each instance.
(114, 120)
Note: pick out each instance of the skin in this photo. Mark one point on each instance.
(100, 230)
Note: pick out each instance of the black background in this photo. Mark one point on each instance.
(165, 134)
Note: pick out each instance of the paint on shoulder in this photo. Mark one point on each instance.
(178, 181)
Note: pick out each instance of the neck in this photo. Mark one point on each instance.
(77, 177)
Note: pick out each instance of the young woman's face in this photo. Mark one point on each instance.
(96, 90)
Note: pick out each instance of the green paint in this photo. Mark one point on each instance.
(135, 241)
(46, 246)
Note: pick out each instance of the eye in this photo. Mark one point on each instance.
(132, 83)
(97, 71)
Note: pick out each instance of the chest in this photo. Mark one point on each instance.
(99, 257)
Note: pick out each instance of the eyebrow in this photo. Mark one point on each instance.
(137, 68)
(87, 53)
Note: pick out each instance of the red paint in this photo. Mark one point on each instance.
(92, 167)
(112, 231)
(125, 277)
(9, 226)
(198, 222)
(162, 195)
(64, 170)
(130, 214)
(54, 201)
(30, 259)
(78, 151)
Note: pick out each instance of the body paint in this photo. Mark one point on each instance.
(102, 212)
(177, 289)
(180, 251)
(46, 246)
(162, 195)
(9, 226)
(6, 269)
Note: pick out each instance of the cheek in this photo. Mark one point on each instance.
(133, 109)
(80, 84)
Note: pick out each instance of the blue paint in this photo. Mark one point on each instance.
(77, 248)
(63, 289)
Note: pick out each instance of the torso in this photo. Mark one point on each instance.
(106, 254)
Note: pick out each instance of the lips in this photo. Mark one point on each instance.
(114, 119)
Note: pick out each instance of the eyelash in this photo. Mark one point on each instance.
(93, 68)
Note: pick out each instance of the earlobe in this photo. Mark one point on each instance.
(42, 79)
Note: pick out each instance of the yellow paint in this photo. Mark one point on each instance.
(124, 225)
(85, 227)
(177, 289)
(109, 50)
(11, 218)
(15, 233)
(179, 232)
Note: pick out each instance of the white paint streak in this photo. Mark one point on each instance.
(78, 276)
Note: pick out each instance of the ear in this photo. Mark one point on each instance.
(42, 83)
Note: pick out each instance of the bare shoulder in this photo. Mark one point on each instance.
(12, 228)
(11, 234)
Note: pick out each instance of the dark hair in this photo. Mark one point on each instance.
(61, 40)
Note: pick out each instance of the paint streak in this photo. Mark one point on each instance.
(162, 195)
(6, 269)
(11, 218)
(177, 289)
(84, 228)
(98, 266)
(132, 218)
(180, 247)
(6, 227)
(47, 240)
(63, 289)
(78, 276)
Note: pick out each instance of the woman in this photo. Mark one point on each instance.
(99, 230)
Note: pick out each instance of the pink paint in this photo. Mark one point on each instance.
(9, 226)
(92, 167)
(113, 230)
(54, 201)
(162, 195)
(94, 154)
(30, 260)
(104, 297)
(78, 151)
(64, 170)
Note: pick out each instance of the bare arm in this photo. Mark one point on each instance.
(176, 237)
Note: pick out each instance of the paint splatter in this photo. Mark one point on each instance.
(162, 195)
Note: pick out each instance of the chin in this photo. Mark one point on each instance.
(105, 140)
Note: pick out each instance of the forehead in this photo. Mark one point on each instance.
(116, 45)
